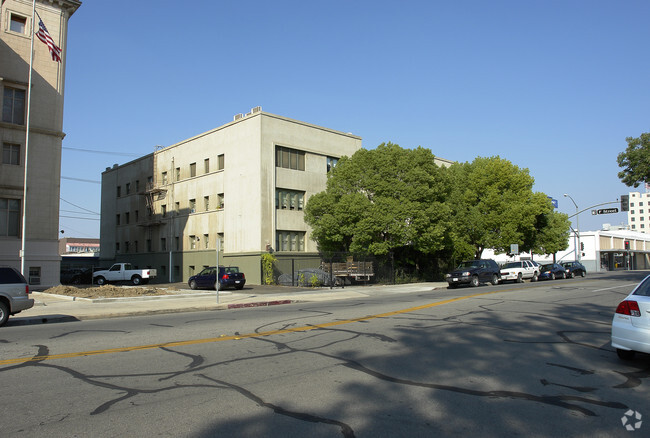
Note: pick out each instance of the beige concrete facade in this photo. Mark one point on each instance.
(638, 217)
(46, 122)
(241, 186)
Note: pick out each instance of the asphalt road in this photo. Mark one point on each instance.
(527, 359)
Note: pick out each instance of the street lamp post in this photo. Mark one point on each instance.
(576, 236)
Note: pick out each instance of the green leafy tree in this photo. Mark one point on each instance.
(382, 200)
(494, 206)
(635, 161)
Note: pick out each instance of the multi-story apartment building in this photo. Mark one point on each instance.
(638, 217)
(41, 256)
(241, 187)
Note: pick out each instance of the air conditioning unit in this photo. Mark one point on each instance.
(238, 116)
(257, 109)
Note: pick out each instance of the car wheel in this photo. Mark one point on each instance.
(520, 278)
(535, 277)
(552, 275)
(4, 313)
(100, 281)
(573, 274)
(625, 354)
(495, 280)
(193, 285)
(564, 276)
(583, 274)
(136, 280)
(474, 281)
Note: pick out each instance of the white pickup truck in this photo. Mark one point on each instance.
(123, 272)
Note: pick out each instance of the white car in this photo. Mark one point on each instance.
(519, 271)
(631, 323)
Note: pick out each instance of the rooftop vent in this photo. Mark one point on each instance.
(238, 116)
(257, 109)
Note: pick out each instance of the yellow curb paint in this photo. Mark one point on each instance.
(238, 337)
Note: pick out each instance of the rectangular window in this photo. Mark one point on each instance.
(220, 200)
(164, 178)
(221, 240)
(206, 165)
(126, 247)
(206, 202)
(221, 162)
(163, 244)
(117, 246)
(148, 245)
(137, 185)
(11, 154)
(127, 217)
(13, 106)
(177, 243)
(163, 210)
(177, 207)
(135, 246)
(289, 199)
(119, 191)
(290, 240)
(137, 216)
(289, 158)
(192, 170)
(9, 217)
(192, 242)
(331, 162)
(128, 188)
(34, 275)
(192, 205)
(18, 24)
(177, 174)
(117, 219)
(206, 241)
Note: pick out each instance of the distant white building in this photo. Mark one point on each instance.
(638, 217)
(603, 250)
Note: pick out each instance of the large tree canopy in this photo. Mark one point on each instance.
(635, 161)
(380, 200)
(493, 206)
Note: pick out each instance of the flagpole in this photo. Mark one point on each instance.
(29, 104)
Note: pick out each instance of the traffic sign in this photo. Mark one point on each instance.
(604, 211)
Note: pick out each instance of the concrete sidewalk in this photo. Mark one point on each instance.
(50, 308)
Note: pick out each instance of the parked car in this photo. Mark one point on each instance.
(14, 293)
(551, 271)
(474, 272)
(229, 276)
(631, 322)
(76, 276)
(574, 269)
(519, 271)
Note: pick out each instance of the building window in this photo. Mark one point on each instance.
(192, 170)
(331, 162)
(177, 243)
(177, 207)
(135, 246)
(126, 247)
(192, 205)
(289, 199)
(633, 226)
(206, 241)
(9, 217)
(163, 210)
(137, 185)
(13, 106)
(640, 204)
(128, 188)
(127, 217)
(18, 24)
(163, 244)
(137, 216)
(177, 271)
(177, 174)
(117, 246)
(206, 202)
(206, 165)
(164, 178)
(220, 200)
(289, 158)
(632, 219)
(221, 162)
(192, 242)
(221, 240)
(34, 275)
(117, 219)
(290, 240)
(119, 191)
(11, 154)
(148, 245)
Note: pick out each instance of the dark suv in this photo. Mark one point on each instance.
(14, 293)
(475, 272)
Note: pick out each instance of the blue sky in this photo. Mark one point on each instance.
(552, 86)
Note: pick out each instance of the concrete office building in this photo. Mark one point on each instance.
(46, 123)
(241, 187)
(638, 217)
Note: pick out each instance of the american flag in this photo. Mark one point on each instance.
(44, 36)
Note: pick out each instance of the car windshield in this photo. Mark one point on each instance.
(470, 264)
(231, 270)
(512, 265)
(546, 267)
(207, 271)
(644, 288)
(567, 265)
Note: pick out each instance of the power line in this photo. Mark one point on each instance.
(77, 212)
(82, 218)
(82, 180)
(126, 154)
(74, 205)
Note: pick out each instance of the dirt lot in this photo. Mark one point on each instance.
(106, 291)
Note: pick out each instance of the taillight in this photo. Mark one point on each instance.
(629, 307)
(27, 289)
(242, 275)
(225, 277)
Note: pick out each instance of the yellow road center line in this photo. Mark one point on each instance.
(237, 337)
